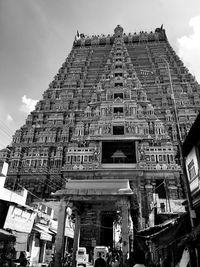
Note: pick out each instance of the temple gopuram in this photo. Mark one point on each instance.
(104, 136)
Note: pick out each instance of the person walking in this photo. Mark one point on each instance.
(22, 258)
(115, 261)
(100, 262)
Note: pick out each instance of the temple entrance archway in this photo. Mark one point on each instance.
(95, 203)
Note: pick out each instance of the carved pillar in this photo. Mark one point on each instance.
(76, 238)
(125, 229)
(60, 233)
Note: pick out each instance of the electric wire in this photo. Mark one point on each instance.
(41, 200)
(51, 185)
(53, 176)
(57, 177)
(10, 132)
(4, 131)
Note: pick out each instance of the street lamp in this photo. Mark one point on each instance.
(182, 160)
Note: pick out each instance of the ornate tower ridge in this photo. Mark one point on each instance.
(143, 36)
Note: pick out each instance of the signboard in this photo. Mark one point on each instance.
(19, 219)
(45, 236)
(4, 169)
(69, 232)
(69, 228)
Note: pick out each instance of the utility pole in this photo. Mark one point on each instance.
(191, 211)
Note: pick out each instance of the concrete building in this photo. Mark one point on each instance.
(191, 150)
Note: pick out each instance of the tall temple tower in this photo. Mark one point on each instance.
(108, 114)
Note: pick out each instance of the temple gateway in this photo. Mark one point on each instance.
(104, 137)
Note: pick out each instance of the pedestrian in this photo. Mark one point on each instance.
(115, 262)
(22, 258)
(100, 262)
(52, 262)
(109, 257)
(139, 259)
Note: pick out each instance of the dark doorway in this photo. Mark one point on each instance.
(160, 188)
(118, 130)
(106, 237)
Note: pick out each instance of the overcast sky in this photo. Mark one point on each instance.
(37, 35)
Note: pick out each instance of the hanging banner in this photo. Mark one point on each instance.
(19, 219)
(69, 227)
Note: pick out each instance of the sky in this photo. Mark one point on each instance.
(36, 37)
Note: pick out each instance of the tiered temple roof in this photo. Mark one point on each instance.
(108, 113)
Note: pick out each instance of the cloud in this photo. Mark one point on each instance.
(9, 118)
(28, 104)
(189, 48)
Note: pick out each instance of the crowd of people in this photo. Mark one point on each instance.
(8, 257)
(114, 259)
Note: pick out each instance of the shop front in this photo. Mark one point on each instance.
(20, 221)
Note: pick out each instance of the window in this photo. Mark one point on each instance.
(120, 95)
(118, 84)
(118, 67)
(191, 170)
(118, 110)
(118, 152)
(162, 207)
(118, 130)
(118, 74)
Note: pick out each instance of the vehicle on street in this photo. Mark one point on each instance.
(103, 250)
(81, 257)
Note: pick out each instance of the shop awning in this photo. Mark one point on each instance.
(4, 235)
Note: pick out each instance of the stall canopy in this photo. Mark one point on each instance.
(6, 236)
